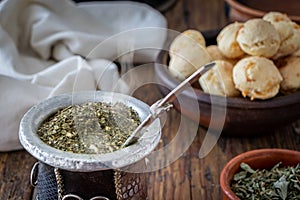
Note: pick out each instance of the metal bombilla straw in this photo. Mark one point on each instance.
(165, 104)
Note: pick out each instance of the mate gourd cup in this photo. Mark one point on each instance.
(104, 176)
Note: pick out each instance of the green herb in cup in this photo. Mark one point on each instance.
(93, 127)
(279, 183)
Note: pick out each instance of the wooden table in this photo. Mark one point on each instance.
(188, 177)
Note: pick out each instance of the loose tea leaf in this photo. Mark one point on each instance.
(247, 168)
(281, 187)
(93, 127)
(279, 183)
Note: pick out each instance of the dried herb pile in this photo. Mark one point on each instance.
(279, 183)
(93, 127)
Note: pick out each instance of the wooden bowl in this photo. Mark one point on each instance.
(242, 10)
(257, 159)
(243, 116)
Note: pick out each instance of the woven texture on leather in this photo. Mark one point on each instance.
(130, 186)
(47, 186)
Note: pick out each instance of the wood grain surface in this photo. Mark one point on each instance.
(189, 176)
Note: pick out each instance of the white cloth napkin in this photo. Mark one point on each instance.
(52, 47)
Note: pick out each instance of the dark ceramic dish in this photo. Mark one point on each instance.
(243, 116)
(242, 10)
(257, 159)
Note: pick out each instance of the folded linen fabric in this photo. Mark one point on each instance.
(52, 47)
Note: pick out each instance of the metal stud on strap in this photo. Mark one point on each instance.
(74, 196)
(34, 175)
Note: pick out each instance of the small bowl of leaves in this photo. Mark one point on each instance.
(262, 174)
